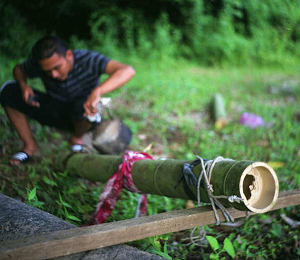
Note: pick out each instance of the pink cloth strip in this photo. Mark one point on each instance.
(121, 178)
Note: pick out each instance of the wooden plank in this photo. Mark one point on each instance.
(287, 199)
(76, 240)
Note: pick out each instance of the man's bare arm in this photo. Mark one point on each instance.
(119, 74)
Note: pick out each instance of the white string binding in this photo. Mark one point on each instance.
(207, 169)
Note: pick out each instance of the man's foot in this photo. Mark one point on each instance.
(20, 157)
(77, 145)
(76, 140)
(23, 156)
(78, 148)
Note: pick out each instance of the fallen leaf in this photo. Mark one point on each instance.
(142, 137)
(189, 204)
(262, 143)
(276, 165)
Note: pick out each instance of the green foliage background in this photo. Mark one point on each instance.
(213, 32)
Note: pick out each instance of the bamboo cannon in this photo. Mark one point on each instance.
(255, 182)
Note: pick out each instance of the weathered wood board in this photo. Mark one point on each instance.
(76, 240)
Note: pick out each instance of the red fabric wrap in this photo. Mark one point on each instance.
(121, 178)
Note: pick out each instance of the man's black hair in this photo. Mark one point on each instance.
(47, 46)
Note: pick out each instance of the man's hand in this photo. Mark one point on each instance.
(27, 91)
(90, 105)
(28, 96)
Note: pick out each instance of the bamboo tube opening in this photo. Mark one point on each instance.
(259, 187)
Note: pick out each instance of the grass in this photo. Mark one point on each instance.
(167, 105)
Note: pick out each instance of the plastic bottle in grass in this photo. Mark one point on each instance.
(251, 120)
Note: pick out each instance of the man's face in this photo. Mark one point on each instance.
(58, 67)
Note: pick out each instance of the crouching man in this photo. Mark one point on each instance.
(73, 90)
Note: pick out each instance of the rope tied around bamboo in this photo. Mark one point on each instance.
(190, 179)
(207, 168)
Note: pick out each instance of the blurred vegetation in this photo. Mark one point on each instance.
(184, 52)
(213, 32)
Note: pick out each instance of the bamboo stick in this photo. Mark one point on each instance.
(219, 112)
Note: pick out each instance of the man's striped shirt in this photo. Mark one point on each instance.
(81, 80)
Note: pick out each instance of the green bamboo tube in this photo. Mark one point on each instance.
(255, 182)
(92, 167)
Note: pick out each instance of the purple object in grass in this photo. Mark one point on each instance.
(251, 120)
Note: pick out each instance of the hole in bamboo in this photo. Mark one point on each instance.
(248, 181)
(259, 187)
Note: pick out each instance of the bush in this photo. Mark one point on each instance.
(211, 32)
(16, 37)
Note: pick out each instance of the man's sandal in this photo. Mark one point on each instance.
(22, 157)
(78, 148)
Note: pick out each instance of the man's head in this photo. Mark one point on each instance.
(53, 57)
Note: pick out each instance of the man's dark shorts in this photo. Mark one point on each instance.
(52, 112)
